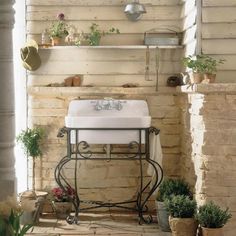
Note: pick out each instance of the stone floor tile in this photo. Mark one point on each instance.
(113, 224)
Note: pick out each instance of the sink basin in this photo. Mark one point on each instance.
(97, 114)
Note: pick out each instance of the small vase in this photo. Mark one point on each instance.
(212, 232)
(183, 226)
(62, 209)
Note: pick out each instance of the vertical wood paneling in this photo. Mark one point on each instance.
(219, 34)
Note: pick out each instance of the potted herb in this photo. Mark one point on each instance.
(94, 36)
(182, 210)
(210, 68)
(197, 65)
(212, 219)
(203, 67)
(168, 188)
(62, 201)
(58, 30)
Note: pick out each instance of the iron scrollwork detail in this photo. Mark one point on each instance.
(82, 151)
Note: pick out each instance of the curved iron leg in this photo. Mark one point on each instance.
(157, 178)
(62, 183)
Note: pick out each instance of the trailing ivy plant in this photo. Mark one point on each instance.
(211, 215)
(31, 140)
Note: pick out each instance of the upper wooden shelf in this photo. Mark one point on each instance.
(116, 47)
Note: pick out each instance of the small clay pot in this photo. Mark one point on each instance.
(76, 81)
(183, 226)
(212, 232)
(196, 78)
(56, 41)
(209, 78)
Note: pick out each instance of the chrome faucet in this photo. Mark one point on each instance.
(108, 104)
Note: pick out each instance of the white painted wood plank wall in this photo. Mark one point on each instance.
(219, 35)
(189, 14)
(104, 67)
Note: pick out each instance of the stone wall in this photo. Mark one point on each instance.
(208, 125)
(101, 180)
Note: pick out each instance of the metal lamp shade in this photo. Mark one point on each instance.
(134, 11)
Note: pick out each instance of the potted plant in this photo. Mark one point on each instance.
(197, 65)
(182, 210)
(212, 219)
(10, 214)
(203, 67)
(59, 30)
(62, 201)
(94, 36)
(31, 140)
(168, 188)
(210, 68)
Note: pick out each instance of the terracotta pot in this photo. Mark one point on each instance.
(183, 226)
(62, 209)
(212, 232)
(209, 78)
(196, 78)
(56, 41)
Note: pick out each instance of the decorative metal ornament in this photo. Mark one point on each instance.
(134, 10)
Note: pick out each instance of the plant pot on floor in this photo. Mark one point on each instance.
(183, 226)
(62, 209)
(212, 232)
(162, 216)
(33, 203)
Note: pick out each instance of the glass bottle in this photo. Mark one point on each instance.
(45, 40)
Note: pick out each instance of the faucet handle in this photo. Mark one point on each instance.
(119, 105)
(98, 106)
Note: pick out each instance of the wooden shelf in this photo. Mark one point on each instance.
(94, 91)
(115, 47)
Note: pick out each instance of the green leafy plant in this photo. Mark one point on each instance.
(93, 38)
(31, 140)
(59, 28)
(171, 187)
(11, 225)
(211, 215)
(196, 63)
(211, 64)
(202, 63)
(181, 206)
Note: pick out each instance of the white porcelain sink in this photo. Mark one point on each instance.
(108, 114)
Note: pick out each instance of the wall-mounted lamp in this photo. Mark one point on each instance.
(134, 10)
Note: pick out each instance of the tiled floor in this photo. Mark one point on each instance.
(97, 224)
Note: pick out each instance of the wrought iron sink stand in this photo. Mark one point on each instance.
(142, 154)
